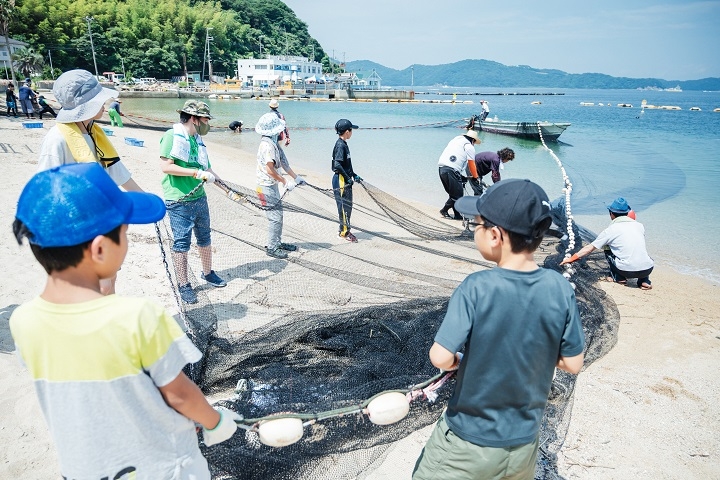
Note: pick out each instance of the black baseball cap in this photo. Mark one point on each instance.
(518, 206)
(343, 125)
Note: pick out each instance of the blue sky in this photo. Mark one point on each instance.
(673, 40)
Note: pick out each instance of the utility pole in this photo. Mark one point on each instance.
(51, 67)
(343, 62)
(125, 79)
(208, 38)
(89, 19)
(260, 43)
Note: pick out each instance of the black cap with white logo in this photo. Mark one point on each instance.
(518, 206)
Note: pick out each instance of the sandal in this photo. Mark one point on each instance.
(645, 286)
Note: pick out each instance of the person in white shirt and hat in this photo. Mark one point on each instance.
(457, 158)
(284, 135)
(271, 165)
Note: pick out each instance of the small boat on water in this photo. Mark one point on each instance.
(530, 130)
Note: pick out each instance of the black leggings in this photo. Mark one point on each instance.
(453, 183)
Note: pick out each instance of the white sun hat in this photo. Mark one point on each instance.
(80, 95)
(274, 103)
(270, 124)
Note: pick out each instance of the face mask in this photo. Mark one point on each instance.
(275, 137)
(202, 128)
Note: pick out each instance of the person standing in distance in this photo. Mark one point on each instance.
(115, 114)
(489, 162)
(485, 110)
(344, 177)
(284, 135)
(516, 323)
(458, 156)
(185, 163)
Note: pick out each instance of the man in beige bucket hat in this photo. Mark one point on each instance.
(185, 163)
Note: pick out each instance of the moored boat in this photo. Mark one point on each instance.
(530, 130)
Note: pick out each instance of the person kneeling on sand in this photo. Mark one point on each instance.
(516, 322)
(107, 369)
(624, 245)
(185, 163)
(271, 164)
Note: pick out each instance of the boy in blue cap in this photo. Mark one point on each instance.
(516, 323)
(624, 245)
(107, 370)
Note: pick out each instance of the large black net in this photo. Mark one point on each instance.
(318, 335)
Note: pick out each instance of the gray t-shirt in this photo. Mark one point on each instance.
(514, 326)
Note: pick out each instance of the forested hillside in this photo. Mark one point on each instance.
(159, 38)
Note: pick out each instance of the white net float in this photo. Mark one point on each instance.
(388, 408)
(281, 432)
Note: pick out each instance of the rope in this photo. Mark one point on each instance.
(421, 125)
(567, 190)
(422, 391)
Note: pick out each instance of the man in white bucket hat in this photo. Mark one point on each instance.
(272, 163)
(76, 138)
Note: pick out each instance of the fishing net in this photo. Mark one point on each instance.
(321, 333)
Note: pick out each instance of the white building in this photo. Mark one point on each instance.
(275, 69)
(15, 45)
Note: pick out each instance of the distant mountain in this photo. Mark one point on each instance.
(485, 73)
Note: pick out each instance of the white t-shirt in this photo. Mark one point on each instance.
(55, 152)
(457, 153)
(626, 239)
(268, 152)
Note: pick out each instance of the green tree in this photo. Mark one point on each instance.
(6, 11)
(28, 61)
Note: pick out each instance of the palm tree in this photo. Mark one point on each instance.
(27, 60)
(6, 8)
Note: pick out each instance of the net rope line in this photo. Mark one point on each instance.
(389, 287)
(421, 391)
(388, 127)
(567, 191)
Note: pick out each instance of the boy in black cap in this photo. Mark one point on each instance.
(107, 369)
(516, 322)
(344, 177)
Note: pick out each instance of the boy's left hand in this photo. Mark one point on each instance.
(225, 428)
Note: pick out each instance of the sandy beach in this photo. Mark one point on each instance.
(649, 409)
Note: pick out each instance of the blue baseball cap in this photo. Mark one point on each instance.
(72, 204)
(619, 205)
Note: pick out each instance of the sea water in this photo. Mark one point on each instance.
(665, 163)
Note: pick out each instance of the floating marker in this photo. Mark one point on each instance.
(388, 408)
(281, 432)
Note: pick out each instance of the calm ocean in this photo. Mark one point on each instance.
(665, 163)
